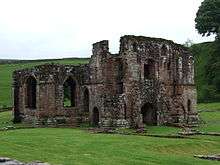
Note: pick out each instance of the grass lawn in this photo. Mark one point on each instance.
(209, 106)
(74, 146)
(6, 71)
(210, 115)
(77, 146)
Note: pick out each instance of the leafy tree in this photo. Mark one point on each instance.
(208, 18)
(188, 43)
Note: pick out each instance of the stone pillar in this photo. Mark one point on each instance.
(16, 110)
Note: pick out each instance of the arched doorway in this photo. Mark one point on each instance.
(31, 85)
(149, 114)
(95, 117)
(86, 100)
(69, 92)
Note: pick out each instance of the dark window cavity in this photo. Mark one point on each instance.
(31, 85)
(69, 92)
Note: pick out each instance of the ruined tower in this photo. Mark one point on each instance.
(150, 81)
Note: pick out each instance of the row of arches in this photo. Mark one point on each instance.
(148, 111)
(69, 93)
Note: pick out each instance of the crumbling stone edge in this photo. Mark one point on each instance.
(208, 157)
(7, 161)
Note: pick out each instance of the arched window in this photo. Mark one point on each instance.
(69, 92)
(31, 85)
(86, 100)
(149, 114)
(95, 117)
(149, 70)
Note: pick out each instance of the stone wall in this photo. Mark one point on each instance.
(49, 93)
(149, 78)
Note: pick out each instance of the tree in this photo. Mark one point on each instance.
(208, 18)
(188, 43)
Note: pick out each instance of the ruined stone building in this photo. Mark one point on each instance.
(150, 81)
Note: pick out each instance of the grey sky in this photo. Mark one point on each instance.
(34, 29)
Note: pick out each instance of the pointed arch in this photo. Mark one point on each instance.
(31, 88)
(69, 92)
(149, 114)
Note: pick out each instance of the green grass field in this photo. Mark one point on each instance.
(78, 146)
(74, 146)
(6, 71)
(210, 115)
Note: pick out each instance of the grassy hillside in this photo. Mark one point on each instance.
(77, 146)
(207, 68)
(6, 75)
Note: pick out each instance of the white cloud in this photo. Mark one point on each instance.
(31, 29)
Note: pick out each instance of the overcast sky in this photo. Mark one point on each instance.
(34, 29)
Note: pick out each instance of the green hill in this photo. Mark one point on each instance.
(6, 70)
(207, 69)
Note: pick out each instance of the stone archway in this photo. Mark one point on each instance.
(149, 114)
(31, 85)
(95, 116)
(69, 92)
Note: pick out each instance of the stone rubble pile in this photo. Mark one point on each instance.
(9, 161)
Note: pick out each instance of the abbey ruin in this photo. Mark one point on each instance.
(150, 81)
